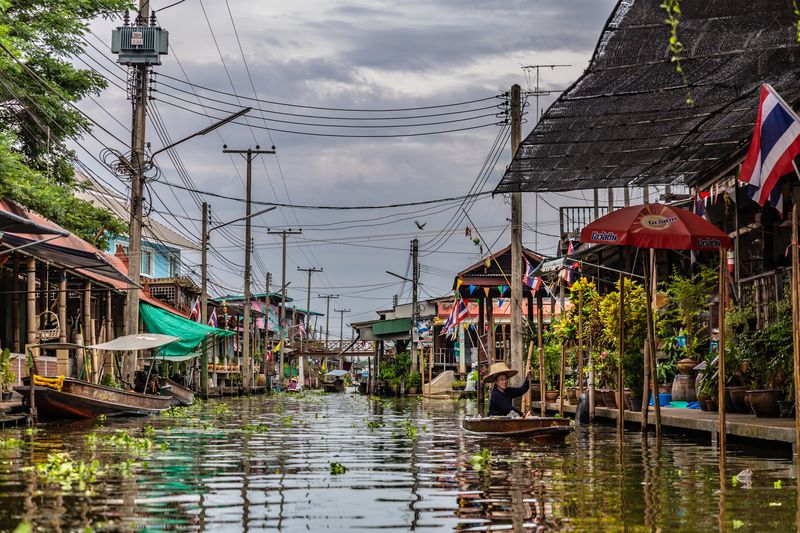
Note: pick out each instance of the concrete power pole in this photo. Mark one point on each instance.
(282, 320)
(308, 299)
(204, 302)
(516, 242)
(328, 297)
(137, 195)
(341, 326)
(415, 363)
(249, 155)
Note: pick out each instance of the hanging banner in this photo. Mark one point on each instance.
(471, 289)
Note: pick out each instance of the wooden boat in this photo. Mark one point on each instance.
(543, 429)
(333, 386)
(180, 394)
(82, 399)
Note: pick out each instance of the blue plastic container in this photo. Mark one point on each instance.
(663, 399)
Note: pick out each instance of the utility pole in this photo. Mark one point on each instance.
(308, 299)
(204, 302)
(139, 99)
(415, 283)
(249, 155)
(341, 326)
(516, 238)
(327, 297)
(283, 233)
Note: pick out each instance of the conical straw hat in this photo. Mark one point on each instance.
(496, 369)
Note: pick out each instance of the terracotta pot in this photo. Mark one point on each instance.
(610, 398)
(412, 390)
(551, 396)
(708, 405)
(765, 402)
(685, 366)
(735, 400)
(665, 388)
(572, 395)
(599, 399)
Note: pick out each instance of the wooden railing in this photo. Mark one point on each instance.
(573, 219)
(763, 290)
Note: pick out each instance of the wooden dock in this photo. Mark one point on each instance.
(738, 425)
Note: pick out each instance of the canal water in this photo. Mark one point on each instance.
(313, 462)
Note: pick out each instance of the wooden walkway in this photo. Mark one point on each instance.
(739, 425)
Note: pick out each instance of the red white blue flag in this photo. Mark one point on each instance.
(195, 312)
(212, 320)
(775, 144)
(457, 315)
(534, 282)
(568, 272)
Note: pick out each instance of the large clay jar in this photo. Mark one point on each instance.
(685, 366)
(683, 389)
(736, 394)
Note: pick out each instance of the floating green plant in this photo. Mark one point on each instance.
(255, 428)
(481, 460)
(411, 429)
(123, 439)
(175, 412)
(221, 409)
(375, 424)
(337, 469)
(61, 469)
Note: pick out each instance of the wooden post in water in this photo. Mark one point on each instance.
(563, 352)
(526, 399)
(723, 259)
(621, 346)
(542, 385)
(650, 353)
(796, 332)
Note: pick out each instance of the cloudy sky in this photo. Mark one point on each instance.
(343, 60)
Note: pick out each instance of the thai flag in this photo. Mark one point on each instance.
(775, 144)
(195, 312)
(457, 315)
(534, 282)
(212, 320)
(568, 272)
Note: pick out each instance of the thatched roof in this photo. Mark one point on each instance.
(626, 120)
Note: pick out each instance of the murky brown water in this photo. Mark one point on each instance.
(217, 475)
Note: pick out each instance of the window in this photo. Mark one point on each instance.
(147, 262)
(174, 266)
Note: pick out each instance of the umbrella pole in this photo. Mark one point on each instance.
(651, 347)
(646, 381)
(621, 346)
(721, 359)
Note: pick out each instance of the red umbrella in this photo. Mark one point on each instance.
(656, 226)
(659, 226)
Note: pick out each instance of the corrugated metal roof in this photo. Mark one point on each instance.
(626, 120)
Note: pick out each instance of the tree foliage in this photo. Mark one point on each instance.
(36, 115)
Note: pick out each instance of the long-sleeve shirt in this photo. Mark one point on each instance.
(500, 402)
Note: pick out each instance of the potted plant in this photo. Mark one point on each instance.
(459, 384)
(413, 382)
(7, 376)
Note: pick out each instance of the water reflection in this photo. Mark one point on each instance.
(407, 468)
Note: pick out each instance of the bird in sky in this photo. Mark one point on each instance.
(420, 226)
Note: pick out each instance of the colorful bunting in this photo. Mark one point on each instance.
(459, 281)
(471, 289)
(486, 291)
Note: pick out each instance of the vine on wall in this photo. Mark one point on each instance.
(673, 10)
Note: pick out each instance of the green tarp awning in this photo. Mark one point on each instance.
(191, 333)
(395, 325)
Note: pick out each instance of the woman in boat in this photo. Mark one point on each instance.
(500, 400)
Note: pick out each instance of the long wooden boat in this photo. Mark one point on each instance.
(333, 386)
(82, 399)
(544, 429)
(180, 394)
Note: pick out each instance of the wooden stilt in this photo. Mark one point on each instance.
(795, 330)
(621, 346)
(542, 376)
(526, 399)
(651, 350)
(563, 353)
(723, 285)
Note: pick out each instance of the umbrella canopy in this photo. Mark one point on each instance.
(337, 373)
(138, 341)
(656, 226)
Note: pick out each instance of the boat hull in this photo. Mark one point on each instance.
(180, 394)
(544, 429)
(81, 399)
